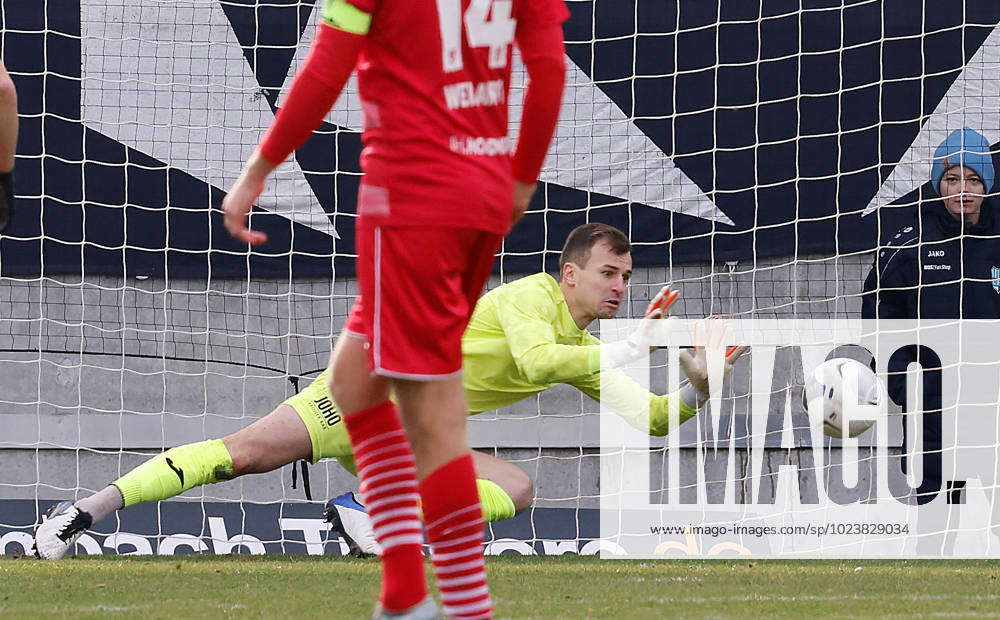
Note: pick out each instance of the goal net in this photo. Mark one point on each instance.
(755, 154)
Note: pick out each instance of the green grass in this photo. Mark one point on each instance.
(294, 587)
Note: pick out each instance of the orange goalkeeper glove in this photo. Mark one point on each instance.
(637, 345)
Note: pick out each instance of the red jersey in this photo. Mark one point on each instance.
(434, 77)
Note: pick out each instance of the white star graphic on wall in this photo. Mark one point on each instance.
(972, 101)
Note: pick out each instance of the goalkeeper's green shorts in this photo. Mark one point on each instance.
(324, 422)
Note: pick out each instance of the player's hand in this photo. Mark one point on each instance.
(638, 343)
(236, 207)
(522, 197)
(657, 309)
(713, 333)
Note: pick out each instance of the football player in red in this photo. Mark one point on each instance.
(442, 185)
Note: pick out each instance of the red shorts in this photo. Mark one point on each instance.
(418, 288)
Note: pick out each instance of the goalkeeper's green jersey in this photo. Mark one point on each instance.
(522, 340)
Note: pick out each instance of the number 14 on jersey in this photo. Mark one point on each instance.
(487, 24)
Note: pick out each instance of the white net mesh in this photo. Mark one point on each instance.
(737, 146)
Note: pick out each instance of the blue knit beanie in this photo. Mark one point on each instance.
(964, 147)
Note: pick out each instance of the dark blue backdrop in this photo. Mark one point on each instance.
(790, 138)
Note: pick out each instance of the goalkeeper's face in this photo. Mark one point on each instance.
(601, 283)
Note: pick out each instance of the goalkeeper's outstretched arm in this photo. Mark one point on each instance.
(629, 399)
(528, 323)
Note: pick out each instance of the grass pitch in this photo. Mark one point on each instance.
(295, 587)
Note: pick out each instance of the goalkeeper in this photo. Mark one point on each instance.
(524, 337)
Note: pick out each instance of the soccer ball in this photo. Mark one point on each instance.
(825, 395)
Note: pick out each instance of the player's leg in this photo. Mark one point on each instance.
(504, 491)
(434, 415)
(277, 439)
(382, 453)
(353, 386)
(504, 488)
(425, 364)
(273, 441)
(348, 516)
(413, 311)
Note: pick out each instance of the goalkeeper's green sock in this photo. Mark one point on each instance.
(175, 471)
(497, 504)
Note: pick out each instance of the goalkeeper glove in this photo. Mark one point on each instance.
(698, 389)
(637, 345)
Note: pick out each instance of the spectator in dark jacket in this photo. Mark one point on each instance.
(943, 264)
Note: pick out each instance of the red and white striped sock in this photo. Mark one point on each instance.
(454, 521)
(388, 488)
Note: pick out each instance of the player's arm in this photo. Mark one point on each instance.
(544, 56)
(527, 322)
(629, 400)
(8, 120)
(318, 83)
(8, 145)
